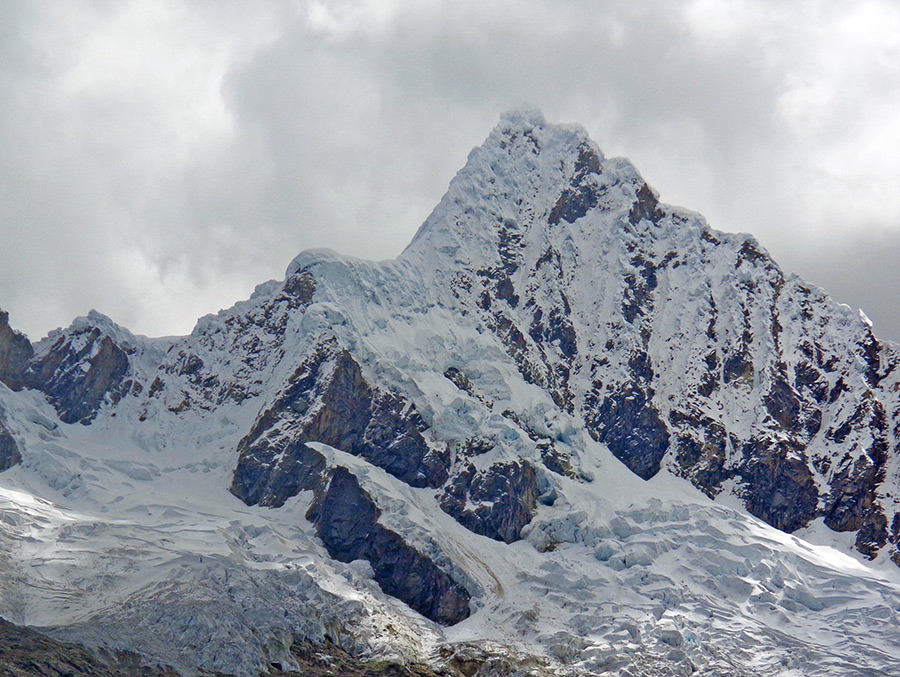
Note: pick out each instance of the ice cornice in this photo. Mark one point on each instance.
(561, 139)
(529, 115)
(312, 257)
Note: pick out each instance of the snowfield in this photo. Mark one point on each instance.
(139, 545)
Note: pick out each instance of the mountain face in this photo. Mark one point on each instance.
(537, 441)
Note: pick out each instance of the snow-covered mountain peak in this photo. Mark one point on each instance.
(107, 326)
(514, 178)
(546, 424)
(552, 138)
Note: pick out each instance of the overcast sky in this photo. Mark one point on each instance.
(159, 158)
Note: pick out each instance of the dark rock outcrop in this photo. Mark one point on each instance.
(628, 423)
(27, 652)
(556, 460)
(269, 475)
(15, 352)
(778, 486)
(326, 659)
(346, 520)
(582, 193)
(701, 451)
(497, 502)
(677, 346)
(646, 206)
(9, 450)
(300, 286)
(77, 372)
(327, 400)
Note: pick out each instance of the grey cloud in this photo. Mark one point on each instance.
(348, 137)
(863, 272)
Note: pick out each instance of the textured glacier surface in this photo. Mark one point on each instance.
(139, 545)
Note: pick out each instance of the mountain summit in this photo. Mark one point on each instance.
(540, 440)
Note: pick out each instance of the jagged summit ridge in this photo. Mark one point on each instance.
(462, 407)
(514, 175)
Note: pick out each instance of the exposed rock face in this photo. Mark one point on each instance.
(631, 427)
(77, 372)
(497, 502)
(550, 309)
(24, 651)
(15, 352)
(679, 347)
(778, 487)
(324, 659)
(9, 450)
(328, 400)
(229, 358)
(583, 192)
(460, 660)
(346, 520)
(296, 469)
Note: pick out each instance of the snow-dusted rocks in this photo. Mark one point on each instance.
(15, 352)
(497, 502)
(531, 440)
(78, 370)
(327, 400)
(9, 450)
(674, 345)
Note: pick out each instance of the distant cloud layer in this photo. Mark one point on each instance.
(160, 158)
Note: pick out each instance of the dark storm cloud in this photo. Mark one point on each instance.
(163, 157)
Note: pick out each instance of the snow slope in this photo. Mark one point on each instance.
(145, 549)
